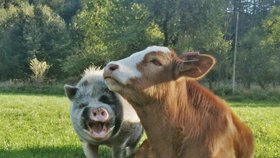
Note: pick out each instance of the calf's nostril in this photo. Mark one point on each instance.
(113, 67)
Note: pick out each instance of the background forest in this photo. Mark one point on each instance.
(70, 35)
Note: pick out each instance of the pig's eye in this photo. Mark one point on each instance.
(156, 62)
(105, 99)
(82, 106)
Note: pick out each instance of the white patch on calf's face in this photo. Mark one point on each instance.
(157, 49)
(128, 66)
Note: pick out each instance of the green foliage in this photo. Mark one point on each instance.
(185, 26)
(11, 55)
(251, 58)
(47, 38)
(8, 3)
(258, 57)
(119, 28)
(73, 34)
(272, 39)
(65, 8)
(272, 95)
(31, 31)
(115, 29)
(272, 25)
(19, 86)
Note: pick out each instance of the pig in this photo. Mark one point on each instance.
(102, 117)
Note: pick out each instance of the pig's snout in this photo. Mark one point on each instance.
(99, 114)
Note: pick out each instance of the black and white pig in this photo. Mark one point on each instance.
(102, 117)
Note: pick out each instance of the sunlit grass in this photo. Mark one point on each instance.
(36, 126)
(39, 126)
(264, 119)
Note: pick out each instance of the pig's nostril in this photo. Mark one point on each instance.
(94, 113)
(113, 67)
(99, 114)
(103, 113)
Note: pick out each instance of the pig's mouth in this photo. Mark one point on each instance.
(97, 129)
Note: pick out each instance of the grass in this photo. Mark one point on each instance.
(38, 126)
(263, 118)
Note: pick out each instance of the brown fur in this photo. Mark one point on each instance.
(192, 122)
(186, 120)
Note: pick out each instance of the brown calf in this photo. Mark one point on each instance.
(182, 119)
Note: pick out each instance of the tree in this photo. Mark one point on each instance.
(251, 53)
(272, 40)
(67, 9)
(47, 38)
(258, 58)
(31, 31)
(111, 30)
(8, 3)
(251, 58)
(11, 46)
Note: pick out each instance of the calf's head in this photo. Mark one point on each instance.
(154, 66)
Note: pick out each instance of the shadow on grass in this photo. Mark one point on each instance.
(50, 152)
(31, 94)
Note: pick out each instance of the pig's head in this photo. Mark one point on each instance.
(93, 107)
(149, 71)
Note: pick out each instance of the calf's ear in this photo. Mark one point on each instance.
(196, 66)
(70, 91)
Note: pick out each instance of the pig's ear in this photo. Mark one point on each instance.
(70, 91)
(195, 65)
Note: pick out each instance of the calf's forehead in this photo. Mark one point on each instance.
(137, 57)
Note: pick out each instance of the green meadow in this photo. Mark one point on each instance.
(38, 126)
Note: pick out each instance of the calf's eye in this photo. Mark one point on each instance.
(156, 62)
